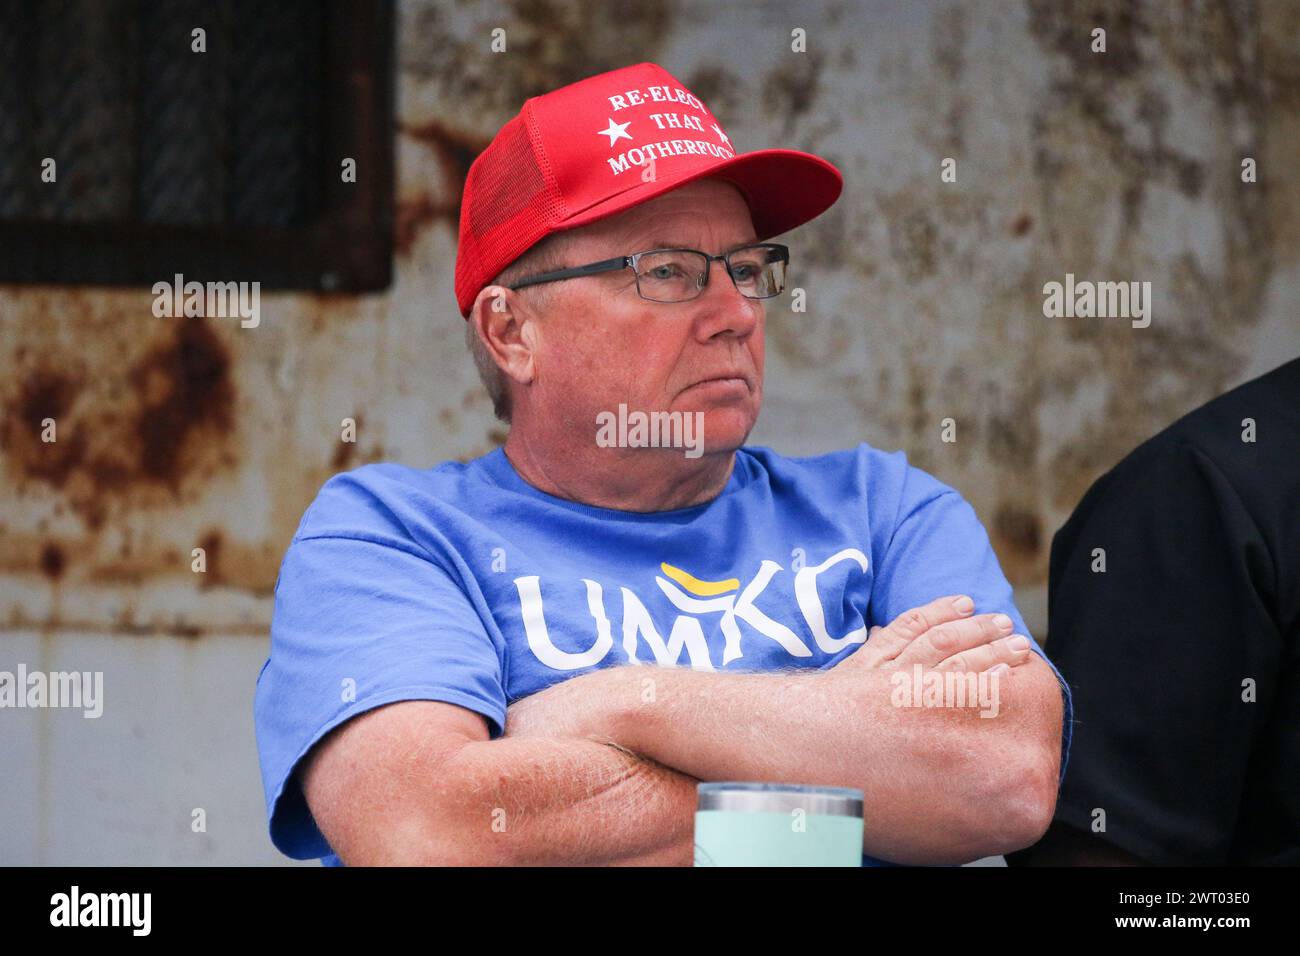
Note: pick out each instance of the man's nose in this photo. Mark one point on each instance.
(725, 308)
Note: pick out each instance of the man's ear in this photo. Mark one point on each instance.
(506, 326)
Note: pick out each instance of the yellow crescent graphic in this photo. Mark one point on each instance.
(703, 588)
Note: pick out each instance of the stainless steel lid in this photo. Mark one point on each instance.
(780, 798)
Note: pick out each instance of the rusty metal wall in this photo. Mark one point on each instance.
(925, 297)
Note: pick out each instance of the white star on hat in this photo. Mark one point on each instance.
(721, 135)
(615, 131)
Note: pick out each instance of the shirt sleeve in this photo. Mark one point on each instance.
(940, 547)
(1157, 642)
(361, 620)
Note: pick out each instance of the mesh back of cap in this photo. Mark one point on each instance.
(504, 182)
(510, 204)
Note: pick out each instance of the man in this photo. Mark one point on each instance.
(442, 685)
(1175, 615)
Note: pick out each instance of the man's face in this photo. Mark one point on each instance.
(600, 344)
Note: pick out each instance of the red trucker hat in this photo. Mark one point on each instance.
(604, 144)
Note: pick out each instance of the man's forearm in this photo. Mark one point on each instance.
(942, 785)
(569, 802)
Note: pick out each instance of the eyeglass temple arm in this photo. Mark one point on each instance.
(606, 265)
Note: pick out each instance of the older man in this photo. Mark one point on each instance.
(458, 663)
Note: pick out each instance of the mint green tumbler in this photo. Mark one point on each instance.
(777, 824)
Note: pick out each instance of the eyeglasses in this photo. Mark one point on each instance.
(679, 275)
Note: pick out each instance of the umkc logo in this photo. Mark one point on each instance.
(694, 598)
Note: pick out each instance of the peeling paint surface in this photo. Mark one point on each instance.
(924, 297)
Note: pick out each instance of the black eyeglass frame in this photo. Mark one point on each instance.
(630, 262)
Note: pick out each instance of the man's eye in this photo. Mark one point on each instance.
(665, 272)
(744, 272)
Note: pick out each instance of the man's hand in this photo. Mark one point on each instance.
(941, 636)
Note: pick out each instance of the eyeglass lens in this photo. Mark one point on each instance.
(677, 275)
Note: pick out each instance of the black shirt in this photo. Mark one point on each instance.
(1201, 592)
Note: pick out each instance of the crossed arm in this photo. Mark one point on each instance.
(601, 768)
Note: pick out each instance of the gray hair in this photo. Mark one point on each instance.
(544, 256)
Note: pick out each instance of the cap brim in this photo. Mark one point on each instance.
(784, 188)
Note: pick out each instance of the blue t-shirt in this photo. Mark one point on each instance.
(465, 584)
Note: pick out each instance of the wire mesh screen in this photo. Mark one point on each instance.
(143, 127)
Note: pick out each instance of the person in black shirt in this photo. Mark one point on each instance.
(1174, 614)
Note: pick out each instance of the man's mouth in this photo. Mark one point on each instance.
(726, 379)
